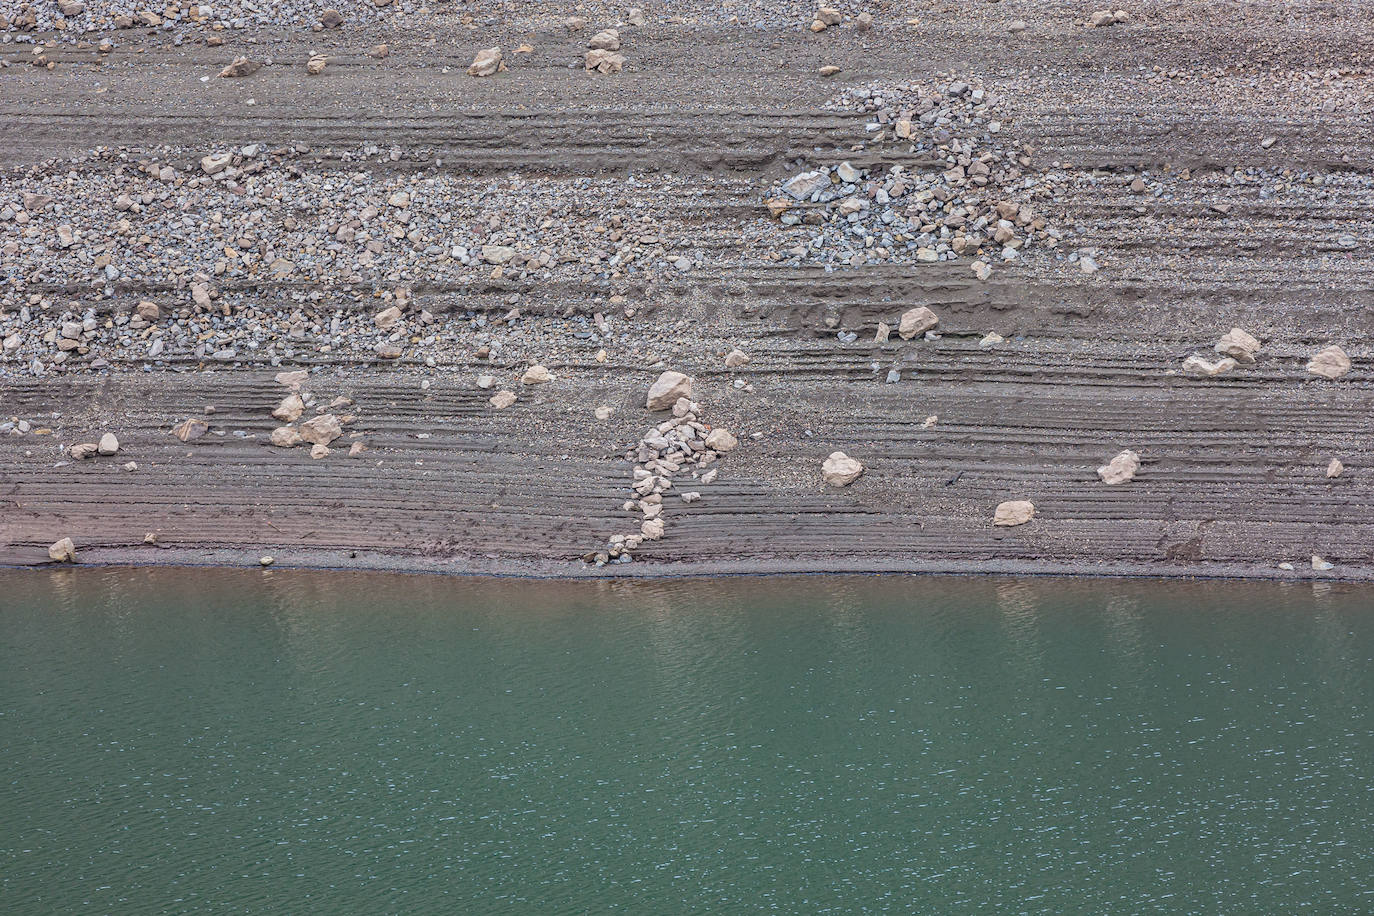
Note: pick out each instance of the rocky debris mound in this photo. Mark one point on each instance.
(839, 470)
(961, 188)
(1121, 469)
(320, 430)
(679, 445)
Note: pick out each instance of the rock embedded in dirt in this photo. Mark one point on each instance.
(1321, 565)
(1331, 363)
(83, 451)
(109, 444)
(387, 349)
(721, 440)
(828, 70)
(285, 437)
(1335, 468)
(293, 379)
(839, 470)
(916, 321)
(148, 311)
(190, 429)
(604, 61)
(1121, 469)
(1199, 367)
(487, 63)
(574, 23)
(536, 375)
(806, 184)
(331, 18)
(602, 413)
(379, 52)
(1013, 512)
(319, 450)
(736, 358)
(502, 399)
(316, 64)
(605, 40)
(321, 430)
(386, 319)
(1238, 345)
(651, 529)
(241, 66)
(635, 17)
(666, 390)
(290, 408)
(62, 551)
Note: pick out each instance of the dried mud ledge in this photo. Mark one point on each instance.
(1233, 478)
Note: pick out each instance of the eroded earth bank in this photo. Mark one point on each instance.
(337, 284)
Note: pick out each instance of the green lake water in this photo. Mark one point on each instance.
(186, 741)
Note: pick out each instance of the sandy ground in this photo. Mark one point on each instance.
(1233, 478)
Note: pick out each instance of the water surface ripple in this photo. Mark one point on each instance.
(251, 742)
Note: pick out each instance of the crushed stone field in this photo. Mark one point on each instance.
(692, 288)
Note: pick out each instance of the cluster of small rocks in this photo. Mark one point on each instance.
(318, 431)
(954, 199)
(679, 445)
(1239, 348)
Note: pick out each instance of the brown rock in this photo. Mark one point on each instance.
(1238, 345)
(1330, 363)
(331, 19)
(916, 321)
(293, 379)
(606, 40)
(502, 399)
(285, 437)
(720, 440)
(1014, 512)
(62, 551)
(149, 311)
(83, 451)
(321, 430)
(241, 66)
(839, 470)
(191, 429)
(487, 63)
(605, 61)
(666, 390)
(536, 375)
(290, 408)
(1121, 469)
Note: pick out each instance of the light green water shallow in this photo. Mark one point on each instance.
(250, 742)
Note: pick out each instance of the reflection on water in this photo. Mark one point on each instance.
(260, 741)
